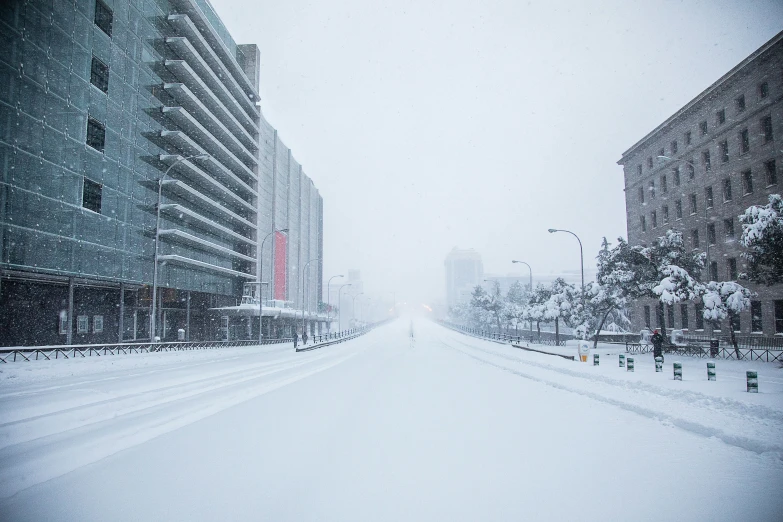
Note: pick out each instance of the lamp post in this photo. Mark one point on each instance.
(581, 258)
(154, 311)
(304, 272)
(340, 307)
(328, 299)
(530, 270)
(353, 306)
(706, 220)
(261, 284)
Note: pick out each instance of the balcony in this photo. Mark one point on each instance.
(177, 212)
(194, 196)
(180, 260)
(189, 239)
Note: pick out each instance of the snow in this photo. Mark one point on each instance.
(434, 426)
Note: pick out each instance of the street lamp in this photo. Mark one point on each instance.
(581, 258)
(530, 270)
(304, 272)
(154, 312)
(328, 298)
(261, 284)
(706, 220)
(340, 307)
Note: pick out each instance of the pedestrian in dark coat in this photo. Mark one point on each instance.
(657, 342)
(304, 338)
(296, 338)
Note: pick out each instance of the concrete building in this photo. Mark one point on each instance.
(101, 99)
(464, 271)
(700, 169)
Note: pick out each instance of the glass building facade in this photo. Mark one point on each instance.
(100, 100)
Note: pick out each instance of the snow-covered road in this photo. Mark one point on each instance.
(438, 426)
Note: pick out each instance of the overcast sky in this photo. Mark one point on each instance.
(432, 124)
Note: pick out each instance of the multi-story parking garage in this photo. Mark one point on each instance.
(103, 103)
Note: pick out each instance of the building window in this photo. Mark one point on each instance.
(731, 268)
(703, 128)
(724, 151)
(772, 173)
(63, 322)
(652, 189)
(643, 223)
(688, 138)
(747, 182)
(691, 170)
(763, 90)
(641, 194)
(756, 324)
(664, 184)
(96, 134)
(766, 128)
(695, 237)
(734, 323)
(740, 103)
(665, 214)
(97, 323)
(728, 227)
(727, 189)
(694, 208)
(103, 17)
(670, 315)
(708, 199)
(699, 315)
(654, 216)
(82, 324)
(676, 176)
(649, 163)
(721, 116)
(91, 195)
(714, 270)
(678, 209)
(744, 139)
(711, 236)
(684, 316)
(674, 147)
(705, 159)
(639, 170)
(779, 316)
(99, 74)
(661, 152)
(647, 314)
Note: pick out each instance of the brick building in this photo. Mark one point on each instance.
(699, 170)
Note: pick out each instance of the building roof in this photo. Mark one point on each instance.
(706, 93)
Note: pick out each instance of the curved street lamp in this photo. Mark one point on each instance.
(340, 307)
(581, 258)
(154, 311)
(328, 299)
(261, 284)
(530, 270)
(304, 272)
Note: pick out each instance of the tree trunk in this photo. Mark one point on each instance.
(538, 327)
(557, 332)
(733, 337)
(661, 318)
(600, 327)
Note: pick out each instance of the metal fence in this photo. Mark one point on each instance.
(705, 351)
(508, 338)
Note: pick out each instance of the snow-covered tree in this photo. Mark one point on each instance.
(536, 306)
(608, 294)
(560, 305)
(489, 303)
(724, 299)
(516, 300)
(762, 235)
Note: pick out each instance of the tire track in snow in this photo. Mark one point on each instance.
(746, 443)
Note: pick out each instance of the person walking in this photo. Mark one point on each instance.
(304, 337)
(296, 337)
(657, 342)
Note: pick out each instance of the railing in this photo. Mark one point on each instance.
(770, 343)
(321, 341)
(503, 337)
(705, 351)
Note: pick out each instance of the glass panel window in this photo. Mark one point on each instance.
(728, 228)
(724, 151)
(699, 316)
(103, 17)
(711, 236)
(731, 269)
(649, 163)
(670, 315)
(92, 195)
(643, 223)
(705, 159)
(654, 216)
(735, 323)
(664, 184)
(703, 128)
(744, 139)
(674, 147)
(740, 103)
(766, 128)
(678, 209)
(647, 315)
(676, 176)
(96, 134)
(82, 324)
(779, 316)
(652, 189)
(772, 173)
(694, 208)
(763, 90)
(721, 116)
(727, 189)
(756, 323)
(714, 270)
(99, 74)
(665, 210)
(641, 194)
(695, 237)
(639, 170)
(97, 323)
(708, 199)
(684, 316)
(63, 322)
(747, 182)
(688, 138)
(691, 170)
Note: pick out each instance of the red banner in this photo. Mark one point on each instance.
(280, 265)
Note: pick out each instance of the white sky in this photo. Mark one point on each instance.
(432, 124)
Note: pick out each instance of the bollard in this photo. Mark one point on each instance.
(659, 364)
(753, 381)
(622, 360)
(630, 364)
(595, 359)
(710, 371)
(677, 371)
